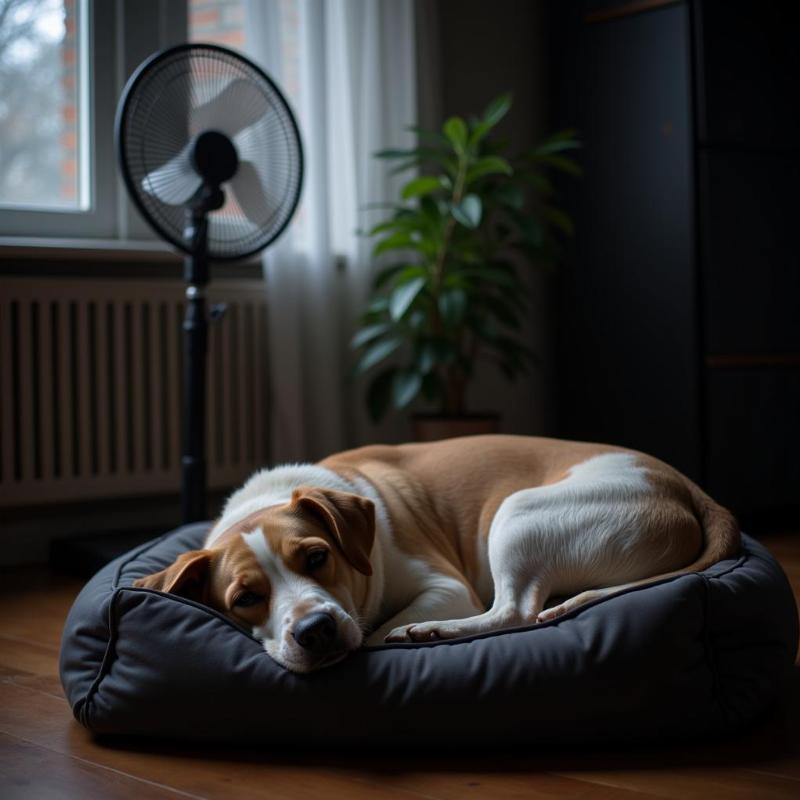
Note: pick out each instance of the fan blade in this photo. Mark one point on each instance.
(174, 182)
(250, 195)
(238, 105)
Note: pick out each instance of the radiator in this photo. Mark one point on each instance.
(91, 394)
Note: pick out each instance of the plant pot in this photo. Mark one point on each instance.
(432, 427)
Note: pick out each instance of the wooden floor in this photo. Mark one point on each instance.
(45, 754)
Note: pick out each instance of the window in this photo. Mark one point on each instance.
(44, 104)
(63, 65)
(269, 33)
(217, 22)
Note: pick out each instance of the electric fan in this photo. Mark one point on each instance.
(210, 153)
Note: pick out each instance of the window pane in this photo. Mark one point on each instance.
(42, 114)
(217, 22)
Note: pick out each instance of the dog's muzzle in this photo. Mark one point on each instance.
(315, 632)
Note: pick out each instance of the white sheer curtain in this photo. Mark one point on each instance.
(348, 70)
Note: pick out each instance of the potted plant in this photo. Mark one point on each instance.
(453, 290)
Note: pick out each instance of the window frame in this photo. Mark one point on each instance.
(120, 35)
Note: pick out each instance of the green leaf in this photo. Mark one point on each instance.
(556, 146)
(389, 225)
(496, 275)
(503, 312)
(559, 219)
(405, 386)
(379, 394)
(378, 304)
(531, 229)
(397, 241)
(497, 109)
(417, 319)
(425, 135)
(426, 357)
(377, 352)
(468, 212)
(430, 208)
(408, 274)
(541, 182)
(513, 350)
(452, 306)
(491, 165)
(562, 164)
(379, 206)
(395, 153)
(403, 296)
(369, 333)
(455, 129)
(511, 195)
(376, 311)
(565, 133)
(385, 275)
(478, 132)
(414, 162)
(419, 186)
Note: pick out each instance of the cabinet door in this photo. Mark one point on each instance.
(753, 438)
(750, 262)
(628, 344)
(748, 62)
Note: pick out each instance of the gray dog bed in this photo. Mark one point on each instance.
(695, 655)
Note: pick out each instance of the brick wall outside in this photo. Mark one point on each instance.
(223, 22)
(69, 110)
(217, 22)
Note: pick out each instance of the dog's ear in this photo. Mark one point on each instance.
(349, 518)
(186, 577)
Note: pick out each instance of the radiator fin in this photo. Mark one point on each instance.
(91, 387)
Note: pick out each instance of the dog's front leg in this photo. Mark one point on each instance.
(444, 598)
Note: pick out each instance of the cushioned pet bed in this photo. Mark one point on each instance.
(698, 654)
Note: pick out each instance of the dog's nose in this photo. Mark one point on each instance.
(315, 632)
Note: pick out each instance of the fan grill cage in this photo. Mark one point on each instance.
(175, 96)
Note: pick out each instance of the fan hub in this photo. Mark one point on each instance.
(214, 157)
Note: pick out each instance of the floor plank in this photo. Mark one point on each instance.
(28, 657)
(46, 721)
(695, 783)
(28, 772)
(44, 753)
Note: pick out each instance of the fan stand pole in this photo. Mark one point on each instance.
(195, 339)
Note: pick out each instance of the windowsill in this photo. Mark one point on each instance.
(23, 247)
(67, 257)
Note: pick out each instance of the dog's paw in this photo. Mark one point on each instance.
(401, 634)
(416, 632)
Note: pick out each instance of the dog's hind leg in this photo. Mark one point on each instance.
(520, 588)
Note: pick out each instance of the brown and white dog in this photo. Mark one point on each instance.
(435, 541)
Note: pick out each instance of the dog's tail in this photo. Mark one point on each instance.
(721, 535)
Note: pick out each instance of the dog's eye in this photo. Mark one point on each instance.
(315, 559)
(247, 600)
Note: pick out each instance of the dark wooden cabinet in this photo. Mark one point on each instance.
(749, 218)
(680, 298)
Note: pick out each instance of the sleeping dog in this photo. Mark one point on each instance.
(420, 542)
